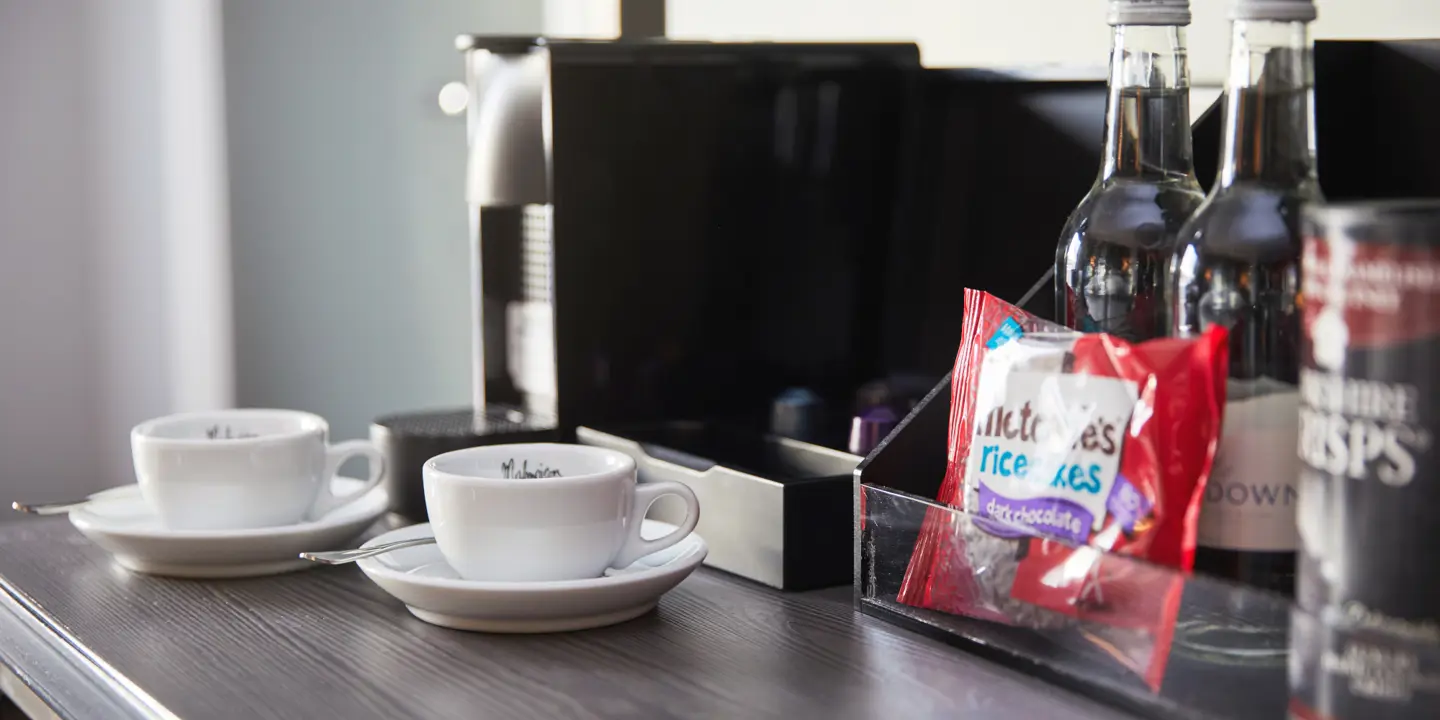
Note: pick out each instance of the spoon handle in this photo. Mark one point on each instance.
(48, 508)
(340, 557)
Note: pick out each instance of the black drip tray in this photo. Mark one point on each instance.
(773, 509)
(701, 446)
(408, 439)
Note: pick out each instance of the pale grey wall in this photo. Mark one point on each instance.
(348, 218)
(85, 335)
(48, 344)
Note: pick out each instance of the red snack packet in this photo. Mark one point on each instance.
(987, 321)
(1060, 441)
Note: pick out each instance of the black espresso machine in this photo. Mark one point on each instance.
(672, 240)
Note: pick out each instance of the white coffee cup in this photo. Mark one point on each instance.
(542, 511)
(236, 469)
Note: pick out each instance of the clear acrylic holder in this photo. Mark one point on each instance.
(1160, 643)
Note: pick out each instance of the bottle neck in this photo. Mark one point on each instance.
(1270, 106)
(1147, 116)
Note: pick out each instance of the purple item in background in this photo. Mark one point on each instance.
(870, 427)
(900, 393)
(1126, 504)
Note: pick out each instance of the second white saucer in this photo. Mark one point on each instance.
(435, 593)
(120, 521)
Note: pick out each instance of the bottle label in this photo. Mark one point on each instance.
(1250, 500)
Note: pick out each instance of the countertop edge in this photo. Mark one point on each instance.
(60, 671)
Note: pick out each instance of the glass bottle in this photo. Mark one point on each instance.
(1111, 260)
(1237, 264)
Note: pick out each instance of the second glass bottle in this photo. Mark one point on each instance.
(1237, 264)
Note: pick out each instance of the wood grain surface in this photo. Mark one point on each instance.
(326, 643)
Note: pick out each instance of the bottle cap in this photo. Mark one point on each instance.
(1273, 10)
(1149, 12)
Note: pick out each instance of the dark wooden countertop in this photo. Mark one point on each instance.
(93, 640)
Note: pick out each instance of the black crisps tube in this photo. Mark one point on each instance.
(1369, 506)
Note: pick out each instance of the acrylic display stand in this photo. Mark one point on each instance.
(1174, 646)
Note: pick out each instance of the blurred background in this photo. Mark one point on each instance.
(260, 202)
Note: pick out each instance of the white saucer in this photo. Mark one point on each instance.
(119, 521)
(433, 592)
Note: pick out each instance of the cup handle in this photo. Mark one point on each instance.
(335, 456)
(646, 494)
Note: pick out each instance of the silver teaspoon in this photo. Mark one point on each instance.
(340, 557)
(49, 508)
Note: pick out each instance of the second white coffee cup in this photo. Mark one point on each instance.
(543, 511)
(242, 469)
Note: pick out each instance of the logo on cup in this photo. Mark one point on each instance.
(216, 432)
(509, 472)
